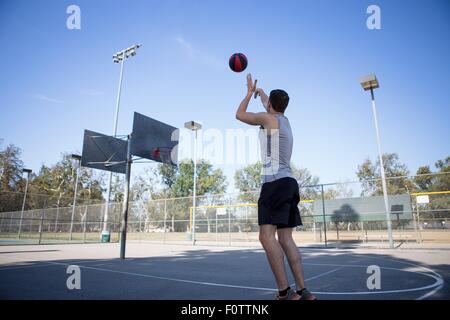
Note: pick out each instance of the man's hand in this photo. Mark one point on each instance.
(264, 97)
(251, 87)
(258, 92)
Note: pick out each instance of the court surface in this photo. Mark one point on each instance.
(157, 271)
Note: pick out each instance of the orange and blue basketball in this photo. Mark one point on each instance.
(238, 62)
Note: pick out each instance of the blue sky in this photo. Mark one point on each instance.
(57, 82)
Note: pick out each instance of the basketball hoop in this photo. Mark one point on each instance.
(162, 154)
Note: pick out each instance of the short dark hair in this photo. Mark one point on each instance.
(279, 100)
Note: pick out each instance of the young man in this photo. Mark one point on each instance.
(277, 205)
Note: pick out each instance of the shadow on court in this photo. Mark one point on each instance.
(217, 273)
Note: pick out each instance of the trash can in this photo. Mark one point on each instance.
(188, 236)
(106, 237)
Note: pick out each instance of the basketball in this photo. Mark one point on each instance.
(238, 62)
(156, 153)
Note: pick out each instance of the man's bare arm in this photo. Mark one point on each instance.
(264, 98)
(250, 117)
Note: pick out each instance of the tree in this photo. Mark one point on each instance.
(341, 190)
(179, 182)
(308, 183)
(424, 182)
(439, 205)
(370, 177)
(11, 179)
(249, 180)
(117, 188)
(144, 186)
(440, 181)
(443, 180)
(10, 169)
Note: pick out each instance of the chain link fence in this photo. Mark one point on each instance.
(350, 212)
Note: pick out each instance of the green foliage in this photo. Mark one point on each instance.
(180, 183)
(442, 181)
(58, 181)
(51, 186)
(424, 182)
(11, 169)
(249, 181)
(248, 178)
(306, 181)
(370, 176)
(439, 205)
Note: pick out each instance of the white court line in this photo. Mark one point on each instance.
(324, 274)
(44, 264)
(429, 294)
(319, 275)
(157, 277)
(438, 279)
(430, 270)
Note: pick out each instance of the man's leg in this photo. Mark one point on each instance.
(274, 254)
(293, 255)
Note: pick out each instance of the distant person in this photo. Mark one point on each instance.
(277, 205)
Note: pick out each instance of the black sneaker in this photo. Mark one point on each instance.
(306, 295)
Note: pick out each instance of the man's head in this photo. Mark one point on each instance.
(279, 100)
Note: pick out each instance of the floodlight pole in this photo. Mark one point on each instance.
(120, 56)
(124, 224)
(108, 193)
(28, 171)
(383, 175)
(194, 126)
(194, 196)
(77, 173)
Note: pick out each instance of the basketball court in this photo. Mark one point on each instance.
(184, 272)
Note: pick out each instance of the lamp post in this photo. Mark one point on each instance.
(119, 57)
(194, 126)
(28, 172)
(370, 82)
(77, 173)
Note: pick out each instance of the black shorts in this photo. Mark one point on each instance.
(278, 203)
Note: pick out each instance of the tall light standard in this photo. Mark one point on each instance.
(28, 172)
(194, 126)
(370, 82)
(77, 173)
(119, 57)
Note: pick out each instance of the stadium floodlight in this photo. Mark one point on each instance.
(194, 126)
(75, 156)
(28, 172)
(118, 57)
(370, 82)
(125, 53)
(77, 174)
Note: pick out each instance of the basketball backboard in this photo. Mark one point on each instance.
(154, 140)
(104, 152)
